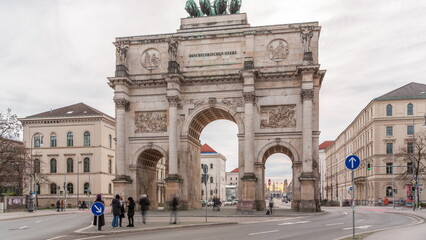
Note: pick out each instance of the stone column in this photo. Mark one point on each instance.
(307, 96)
(121, 105)
(249, 98)
(173, 138)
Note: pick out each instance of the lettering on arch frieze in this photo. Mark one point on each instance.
(282, 116)
(151, 122)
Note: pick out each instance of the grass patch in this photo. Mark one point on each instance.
(358, 236)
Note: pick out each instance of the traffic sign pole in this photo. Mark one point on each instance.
(352, 162)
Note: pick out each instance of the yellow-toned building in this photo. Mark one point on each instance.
(378, 135)
(72, 146)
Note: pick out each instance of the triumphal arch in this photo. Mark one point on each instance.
(168, 87)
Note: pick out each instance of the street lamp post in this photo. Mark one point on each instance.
(78, 183)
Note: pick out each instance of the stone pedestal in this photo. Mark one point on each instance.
(247, 201)
(309, 201)
(307, 58)
(174, 186)
(121, 183)
(173, 67)
(121, 71)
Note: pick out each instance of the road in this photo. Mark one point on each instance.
(336, 223)
(43, 227)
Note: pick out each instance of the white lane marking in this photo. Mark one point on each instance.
(251, 234)
(272, 220)
(333, 224)
(360, 227)
(57, 237)
(291, 223)
(82, 229)
(23, 227)
(361, 220)
(345, 213)
(91, 237)
(39, 221)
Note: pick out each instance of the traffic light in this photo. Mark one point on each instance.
(369, 166)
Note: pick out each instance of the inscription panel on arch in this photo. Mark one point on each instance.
(282, 116)
(151, 122)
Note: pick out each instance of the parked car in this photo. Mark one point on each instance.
(235, 202)
(203, 203)
(228, 203)
(209, 204)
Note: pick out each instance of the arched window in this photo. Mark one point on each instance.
(37, 166)
(211, 166)
(110, 141)
(389, 192)
(37, 189)
(410, 109)
(86, 188)
(211, 179)
(70, 188)
(37, 140)
(110, 166)
(52, 165)
(53, 188)
(86, 138)
(70, 139)
(87, 165)
(109, 188)
(389, 110)
(70, 165)
(53, 141)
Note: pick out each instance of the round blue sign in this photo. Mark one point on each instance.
(98, 208)
(352, 162)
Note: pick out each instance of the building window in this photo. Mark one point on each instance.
(70, 165)
(410, 167)
(389, 110)
(389, 131)
(202, 192)
(211, 179)
(389, 192)
(53, 188)
(70, 139)
(53, 165)
(86, 139)
(53, 141)
(410, 130)
(86, 188)
(37, 189)
(211, 192)
(389, 168)
(37, 166)
(211, 165)
(87, 165)
(410, 109)
(230, 179)
(70, 188)
(109, 188)
(389, 148)
(110, 166)
(38, 140)
(410, 147)
(110, 141)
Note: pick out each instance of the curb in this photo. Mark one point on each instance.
(419, 219)
(154, 228)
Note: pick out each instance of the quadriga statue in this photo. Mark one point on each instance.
(220, 6)
(206, 7)
(192, 8)
(235, 6)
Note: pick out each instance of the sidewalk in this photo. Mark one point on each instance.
(38, 213)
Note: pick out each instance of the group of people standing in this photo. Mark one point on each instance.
(119, 210)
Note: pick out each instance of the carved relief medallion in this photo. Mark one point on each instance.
(150, 59)
(278, 116)
(150, 122)
(278, 50)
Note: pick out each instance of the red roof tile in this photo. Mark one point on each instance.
(325, 144)
(235, 170)
(207, 149)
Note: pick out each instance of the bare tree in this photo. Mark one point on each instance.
(415, 155)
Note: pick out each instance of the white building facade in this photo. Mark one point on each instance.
(216, 184)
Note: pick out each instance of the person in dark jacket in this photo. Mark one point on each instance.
(173, 209)
(101, 217)
(144, 202)
(116, 210)
(58, 206)
(122, 209)
(131, 211)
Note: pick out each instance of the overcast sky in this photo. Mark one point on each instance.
(56, 53)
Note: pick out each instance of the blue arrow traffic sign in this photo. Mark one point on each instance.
(352, 162)
(98, 208)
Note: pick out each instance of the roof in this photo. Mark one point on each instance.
(409, 91)
(325, 144)
(207, 149)
(76, 110)
(235, 170)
